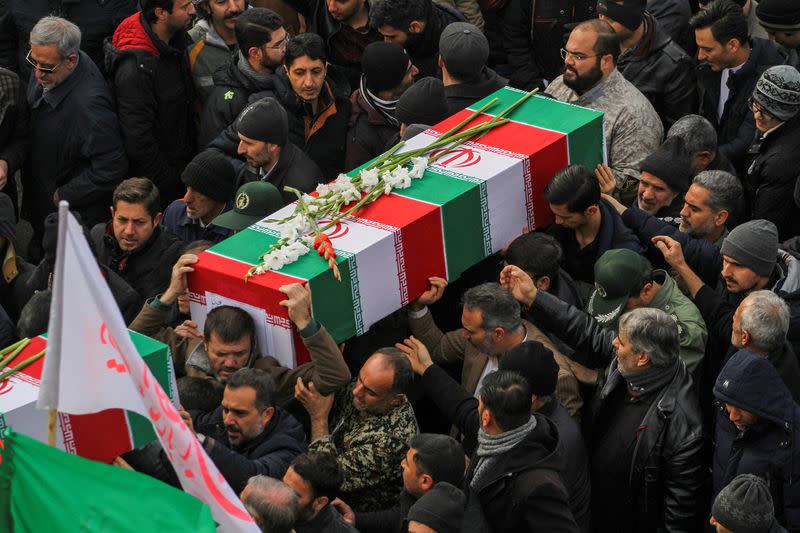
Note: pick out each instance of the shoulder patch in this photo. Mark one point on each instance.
(228, 95)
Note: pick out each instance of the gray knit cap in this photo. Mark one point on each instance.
(754, 244)
(778, 91)
(744, 505)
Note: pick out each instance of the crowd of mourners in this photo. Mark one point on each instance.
(633, 367)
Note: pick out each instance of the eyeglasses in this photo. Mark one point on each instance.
(280, 45)
(758, 108)
(35, 64)
(577, 57)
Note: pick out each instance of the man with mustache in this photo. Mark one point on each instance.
(591, 79)
(214, 41)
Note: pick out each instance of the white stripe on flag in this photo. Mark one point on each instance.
(92, 365)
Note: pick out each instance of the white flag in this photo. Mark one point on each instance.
(92, 365)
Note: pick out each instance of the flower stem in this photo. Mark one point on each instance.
(16, 348)
(27, 362)
(511, 108)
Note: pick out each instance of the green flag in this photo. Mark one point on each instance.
(45, 489)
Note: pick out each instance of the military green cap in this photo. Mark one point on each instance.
(254, 201)
(616, 273)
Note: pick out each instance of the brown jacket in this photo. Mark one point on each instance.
(453, 347)
(327, 368)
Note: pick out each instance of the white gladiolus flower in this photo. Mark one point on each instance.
(323, 189)
(369, 179)
(418, 166)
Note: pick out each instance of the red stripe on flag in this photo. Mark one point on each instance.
(34, 370)
(100, 436)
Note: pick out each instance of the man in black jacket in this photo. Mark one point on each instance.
(146, 60)
(730, 66)
(262, 45)
(76, 153)
(417, 25)
(645, 428)
(13, 132)
(248, 435)
(133, 244)
(651, 60)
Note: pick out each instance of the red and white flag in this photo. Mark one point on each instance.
(92, 365)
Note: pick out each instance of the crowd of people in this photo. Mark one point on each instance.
(633, 367)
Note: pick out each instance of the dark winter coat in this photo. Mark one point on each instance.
(673, 16)
(369, 132)
(147, 270)
(533, 38)
(267, 454)
(75, 146)
(463, 95)
(772, 177)
(189, 230)
(736, 127)
(13, 128)
(230, 95)
(423, 49)
(771, 448)
(154, 93)
(663, 72)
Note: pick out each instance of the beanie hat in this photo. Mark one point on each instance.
(464, 50)
(670, 163)
(423, 103)
(384, 65)
(629, 14)
(211, 174)
(744, 505)
(264, 120)
(778, 91)
(535, 362)
(754, 244)
(441, 508)
(254, 201)
(779, 15)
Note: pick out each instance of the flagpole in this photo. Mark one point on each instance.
(63, 212)
(51, 427)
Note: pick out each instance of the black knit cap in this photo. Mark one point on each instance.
(533, 361)
(210, 173)
(441, 508)
(745, 505)
(670, 163)
(384, 65)
(423, 103)
(779, 15)
(264, 120)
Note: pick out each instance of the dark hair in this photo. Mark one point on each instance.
(607, 39)
(645, 276)
(398, 13)
(497, 306)
(726, 19)
(149, 8)
(538, 254)
(439, 456)
(305, 44)
(574, 186)
(322, 471)
(35, 316)
(138, 191)
(195, 247)
(198, 394)
(254, 28)
(230, 324)
(403, 373)
(507, 396)
(257, 379)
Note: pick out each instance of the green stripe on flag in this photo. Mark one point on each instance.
(157, 357)
(342, 321)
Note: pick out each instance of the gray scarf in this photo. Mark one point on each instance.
(491, 447)
(262, 80)
(652, 378)
(385, 107)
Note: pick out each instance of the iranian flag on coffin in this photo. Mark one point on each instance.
(100, 436)
(469, 204)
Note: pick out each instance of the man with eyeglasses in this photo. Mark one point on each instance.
(262, 44)
(146, 59)
(591, 79)
(76, 152)
(772, 178)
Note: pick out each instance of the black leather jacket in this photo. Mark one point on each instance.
(667, 470)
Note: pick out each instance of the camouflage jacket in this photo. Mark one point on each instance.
(369, 449)
(631, 125)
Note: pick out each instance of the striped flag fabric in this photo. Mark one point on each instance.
(469, 204)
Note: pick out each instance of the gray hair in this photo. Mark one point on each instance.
(652, 331)
(497, 306)
(272, 503)
(57, 31)
(766, 318)
(724, 188)
(697, 133)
